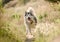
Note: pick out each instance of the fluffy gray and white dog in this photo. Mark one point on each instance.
(30, 21)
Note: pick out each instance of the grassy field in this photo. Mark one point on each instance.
(12, 28)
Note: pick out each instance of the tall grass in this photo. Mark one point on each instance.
(1, 7)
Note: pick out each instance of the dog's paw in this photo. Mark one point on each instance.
(29, 36)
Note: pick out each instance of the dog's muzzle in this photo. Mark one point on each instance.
(29, 18)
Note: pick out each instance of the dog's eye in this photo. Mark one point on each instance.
(31, 14)
(25, 13)
(28, 13)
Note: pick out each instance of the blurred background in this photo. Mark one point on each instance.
(12, 28)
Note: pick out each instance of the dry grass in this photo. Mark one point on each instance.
(12, 22)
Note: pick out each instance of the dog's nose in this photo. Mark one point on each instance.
(28, 18)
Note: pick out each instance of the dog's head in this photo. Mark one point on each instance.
(29, 15)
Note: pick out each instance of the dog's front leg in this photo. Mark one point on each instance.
(28, 33)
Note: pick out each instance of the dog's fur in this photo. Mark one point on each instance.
(30, 20)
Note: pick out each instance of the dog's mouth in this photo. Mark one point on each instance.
(29, 18)
(30, 21)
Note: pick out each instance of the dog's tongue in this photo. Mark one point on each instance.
(30, 21)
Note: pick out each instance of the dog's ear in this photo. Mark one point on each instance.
(25, 13)
(31, 11)
(35, 19)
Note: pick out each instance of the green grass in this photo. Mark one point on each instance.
(45, 15)
(40, 17)
(57, 20)
(1, 7)
(16, 16)
(7, 34)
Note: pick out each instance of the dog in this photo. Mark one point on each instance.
(30, 21)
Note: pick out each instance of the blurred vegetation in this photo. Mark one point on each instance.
(7, 34)
(16, 16)
(54, 1)
(42, 17)
(5, 2)
(0, 3)
(23, 1)
(1, 7)
(12, 28)
(45, 15)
